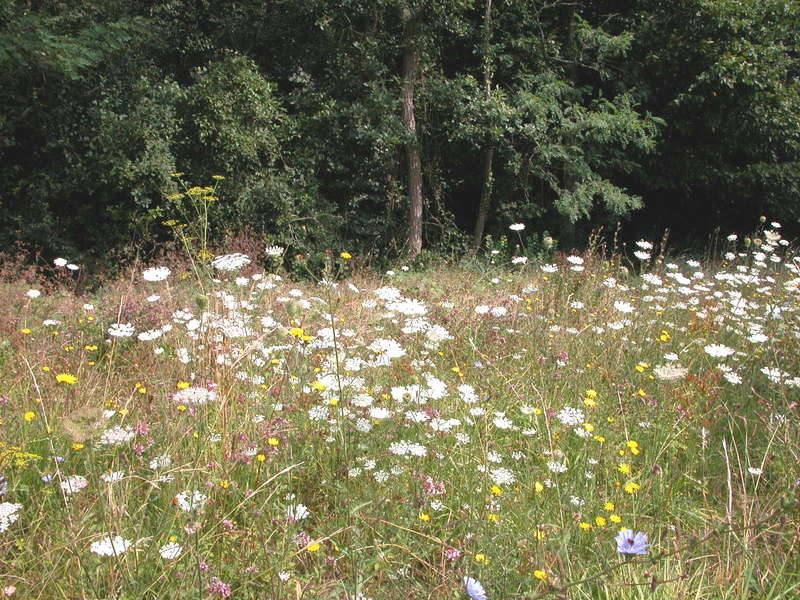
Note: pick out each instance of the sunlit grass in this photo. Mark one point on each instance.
(386, 437)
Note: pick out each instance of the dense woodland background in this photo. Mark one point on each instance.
(333, 119)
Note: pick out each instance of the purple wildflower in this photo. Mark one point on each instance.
(630, 543)
(474, 589)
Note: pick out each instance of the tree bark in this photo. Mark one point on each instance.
(410, 67)
(486, 199)
(488, 156)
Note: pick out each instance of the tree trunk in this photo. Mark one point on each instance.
(410, 65)
(567, 233)
(488, 156)
(486, 199)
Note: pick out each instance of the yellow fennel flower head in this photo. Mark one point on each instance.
(346, 255)
(66, 378)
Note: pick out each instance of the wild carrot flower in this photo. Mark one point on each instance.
(110, 546)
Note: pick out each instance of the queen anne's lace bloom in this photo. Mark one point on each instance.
(8, 514)
(110, 546)
(230, 262)
(156, 274)
(121, 330)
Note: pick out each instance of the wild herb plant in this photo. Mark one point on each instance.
(570, 428)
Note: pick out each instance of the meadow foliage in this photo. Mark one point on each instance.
(594, 426)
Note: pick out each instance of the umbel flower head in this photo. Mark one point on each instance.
(630, 543)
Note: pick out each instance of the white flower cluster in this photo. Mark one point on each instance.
(110, 546)
(116, 436)
(8, 514)
(156, 274)
(404, 448)
(189, 501)
(570, 416)
(230, 262)
(195, 395)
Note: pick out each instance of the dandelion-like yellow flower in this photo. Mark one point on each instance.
(424, 517)
(346, 255)
(66, 378)
(481, 558)
(540, 575)
(29, 416)
(631, 487)
(314, 547)
(274, 441)
(182, 385)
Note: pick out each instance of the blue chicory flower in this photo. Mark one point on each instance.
(474, 589)
(630, 543)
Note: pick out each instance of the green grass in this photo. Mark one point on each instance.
(514, 440)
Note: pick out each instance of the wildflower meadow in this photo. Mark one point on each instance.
(609, 424)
